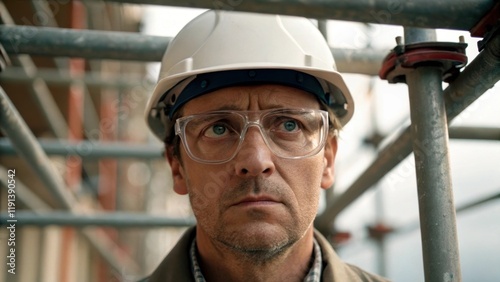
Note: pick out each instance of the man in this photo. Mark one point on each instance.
(248, 106)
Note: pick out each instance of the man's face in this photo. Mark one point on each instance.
(256, 202)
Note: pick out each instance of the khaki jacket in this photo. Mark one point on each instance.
(176, 267)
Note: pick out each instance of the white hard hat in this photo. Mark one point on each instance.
(221, 48)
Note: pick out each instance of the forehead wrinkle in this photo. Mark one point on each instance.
(267, 98)
(223, 99)
(287, 97)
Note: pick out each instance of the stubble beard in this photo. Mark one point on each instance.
(262, 248)
(258, 251)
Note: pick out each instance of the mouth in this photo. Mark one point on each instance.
(257, 201)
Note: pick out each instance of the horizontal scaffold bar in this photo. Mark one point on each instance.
(481, 202)
(138, 220)
(116, 219)
(58, 77)
(474, 133)
(448, 14)
(119, 150)
(90, 149)
(92, 44)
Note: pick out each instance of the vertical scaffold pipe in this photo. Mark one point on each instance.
(429, 130)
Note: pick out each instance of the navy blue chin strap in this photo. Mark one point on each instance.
(209, 82)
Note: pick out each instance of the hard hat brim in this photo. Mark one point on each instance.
(332, 78)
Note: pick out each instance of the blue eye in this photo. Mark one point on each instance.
(290, 125)
(218, 129)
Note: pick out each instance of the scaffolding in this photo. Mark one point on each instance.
(432, 109)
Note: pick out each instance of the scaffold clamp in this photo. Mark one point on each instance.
(450, 56)
(488, 27)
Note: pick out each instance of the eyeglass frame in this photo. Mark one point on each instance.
(180, 131)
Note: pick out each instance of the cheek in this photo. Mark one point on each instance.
(305, 180)
(204, 186)
(307, 172)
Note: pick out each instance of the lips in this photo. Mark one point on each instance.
(256, 200)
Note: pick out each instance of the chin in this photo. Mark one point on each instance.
(259, 239)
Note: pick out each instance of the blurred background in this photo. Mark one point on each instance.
(98, 205)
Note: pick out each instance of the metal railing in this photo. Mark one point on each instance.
(92, 44)
(479, 76)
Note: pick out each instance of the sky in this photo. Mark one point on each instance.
(475, 165)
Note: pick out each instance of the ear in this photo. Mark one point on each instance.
(329, 160)
(178, 174)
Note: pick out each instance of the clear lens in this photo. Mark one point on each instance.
(289, 133)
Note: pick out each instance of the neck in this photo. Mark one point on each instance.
(219, 262)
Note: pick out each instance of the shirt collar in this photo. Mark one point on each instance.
(314, 274)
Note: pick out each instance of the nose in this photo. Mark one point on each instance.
(254, 158)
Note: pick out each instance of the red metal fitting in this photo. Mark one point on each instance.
(340, 238)
(379, 230)
(402, 59)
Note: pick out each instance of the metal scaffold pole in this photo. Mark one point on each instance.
(90, 150)
(93, 44)
(429, 130)
(428, 14)
(114, 219)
